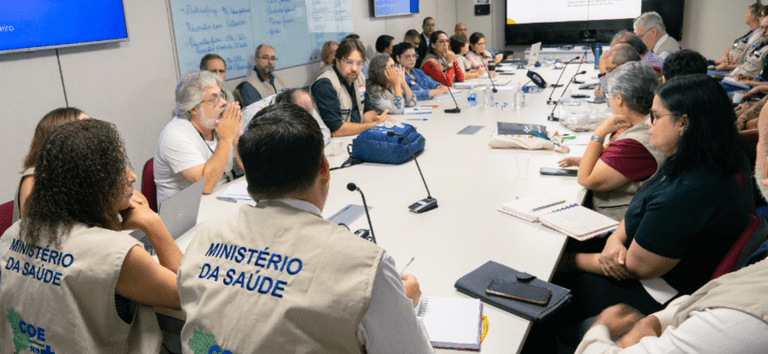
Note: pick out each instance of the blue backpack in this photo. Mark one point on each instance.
(373, 145)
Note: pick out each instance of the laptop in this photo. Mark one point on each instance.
(179, 213)
(534, 56)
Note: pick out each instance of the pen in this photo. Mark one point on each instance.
(548, 205)
(406, 266)
(423, 119)
(227, 199)
(569, 137)
(543, 137)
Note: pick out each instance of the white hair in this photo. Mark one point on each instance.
(191, 90)
(650, 20)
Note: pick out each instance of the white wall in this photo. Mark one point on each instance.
(131, 84)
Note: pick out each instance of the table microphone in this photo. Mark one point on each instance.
(451, 110)
(552, 114)
(490, 78)
(353, 187)
(427, 203)
(579, 67)
(557, 84)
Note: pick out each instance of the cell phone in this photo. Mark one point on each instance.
(551, 171)
(519, 291)
(579, 96)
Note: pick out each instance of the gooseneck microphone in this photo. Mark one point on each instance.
(452, 110)
(427, 203)
(552, 114)
(557, 84)
(586, 48)
(353, 187)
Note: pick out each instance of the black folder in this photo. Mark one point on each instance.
(474, 284)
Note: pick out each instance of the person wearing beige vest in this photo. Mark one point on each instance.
(71, 281)
(745, 39)
(340, 94)
(278, 278)
(613, 173)
(650, 27)
(261, 82)
(727, 315)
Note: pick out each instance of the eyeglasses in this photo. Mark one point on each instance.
(444, 41)
(411, 56)
(655, 117)
(351, 63)
(480, 43)
(646, 31)
(267, 58)
(214, 99)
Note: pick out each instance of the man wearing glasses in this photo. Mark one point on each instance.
(650, 27)
(340, 93)
(200, 141)
(261, 82)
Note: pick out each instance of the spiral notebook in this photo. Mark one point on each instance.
(452, 323)
(573, 220)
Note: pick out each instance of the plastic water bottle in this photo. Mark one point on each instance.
(520, 98)
(598, 53)
(472, 98)
(488, 97)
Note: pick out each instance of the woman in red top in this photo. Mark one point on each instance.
(440, 62)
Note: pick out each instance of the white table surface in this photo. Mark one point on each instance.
(470, 181)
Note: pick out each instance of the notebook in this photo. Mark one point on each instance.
(532, 207)
(452, 323)
(579, 222)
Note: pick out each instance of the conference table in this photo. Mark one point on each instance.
(470, 181)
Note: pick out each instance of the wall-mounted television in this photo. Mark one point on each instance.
(387, 8)
(30, 25)
(557, 22)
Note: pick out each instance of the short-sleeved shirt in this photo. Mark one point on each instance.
(630, 158)
(329, 106)
(180, 147)
(695, 218)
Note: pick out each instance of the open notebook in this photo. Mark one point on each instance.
(453, 323)
(571, 219)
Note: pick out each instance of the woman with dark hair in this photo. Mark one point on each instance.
(459, 45)
(52, 119)
(386, 86)
(440, 62)
(384, 44)
(69, 269)
(477, 55)
(422, 86)
(680, 225)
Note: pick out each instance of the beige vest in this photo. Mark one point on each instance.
(63, 299)
(745, 290)
(341, 92)
(439, 62)
(741, 44)
(670, 45)
(753, 60)
(264, 87)
(614, 204)
(275, 279)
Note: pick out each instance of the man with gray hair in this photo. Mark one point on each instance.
(201, 139)
(646, 56)
(261, 82)
(650, 27)
(617, 55)
(216, 64)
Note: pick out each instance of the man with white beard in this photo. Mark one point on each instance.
(201, 139)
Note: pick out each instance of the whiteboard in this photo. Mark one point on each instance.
(233, 29)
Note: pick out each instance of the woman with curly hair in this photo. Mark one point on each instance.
(54, 118)
(386, 86)
(86, 286)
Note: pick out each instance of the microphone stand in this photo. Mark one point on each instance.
(427, 203)
(551, 116)
(448, 110)
(579, 67)
(565, 65)
(353, 187)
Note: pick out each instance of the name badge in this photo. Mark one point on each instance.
(345, 111)
(361, 89)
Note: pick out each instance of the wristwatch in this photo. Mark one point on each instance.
(598, 139)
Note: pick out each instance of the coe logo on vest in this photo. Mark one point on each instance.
(205, 343)
(27, 336)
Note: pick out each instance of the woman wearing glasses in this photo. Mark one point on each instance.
(440, 62)
(679, 227)
(422, 86)
(613, 171)
(477, 54)
(386, 86)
